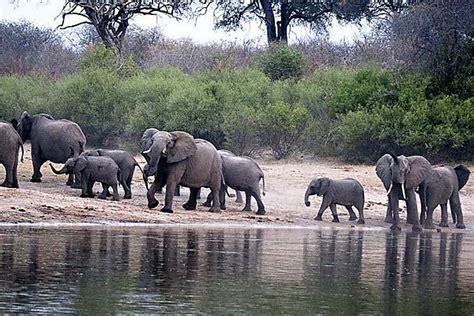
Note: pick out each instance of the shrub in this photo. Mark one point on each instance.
(283, 62)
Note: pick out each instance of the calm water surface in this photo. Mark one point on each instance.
(234, 270)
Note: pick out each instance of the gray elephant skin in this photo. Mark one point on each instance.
(51, 140)
(176, 158)
(126, 163)
(401, 176)
(242, 174)
(442, 185)
(93, 169)
(347, 192)
(10, 144)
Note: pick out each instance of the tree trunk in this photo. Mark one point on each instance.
(283, 23)
(269, 21)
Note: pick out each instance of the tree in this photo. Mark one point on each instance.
(278, 15)
(111, 18)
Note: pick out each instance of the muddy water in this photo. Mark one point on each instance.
(234, 270)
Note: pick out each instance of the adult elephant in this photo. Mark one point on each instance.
(176, 158)
(10, 144)
(442, 185)
(400, 176)
(51, 140)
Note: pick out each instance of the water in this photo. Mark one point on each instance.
(234, 271)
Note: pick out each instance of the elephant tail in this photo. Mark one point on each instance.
(20, 143)
(263, 182)
(145, 179)
(81, 147)
(119, 176)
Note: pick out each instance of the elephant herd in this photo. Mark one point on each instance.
(178, 159)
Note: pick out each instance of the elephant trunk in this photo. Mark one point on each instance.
(62, 171)
(306, 196)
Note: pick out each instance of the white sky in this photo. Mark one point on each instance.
(45, 12)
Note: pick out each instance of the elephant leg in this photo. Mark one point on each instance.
(115, 194)
(70, 180)
(150, 195)
(126, 188)
(389, 215)
(216, 196)
(429, 218)
(76, 181)
(393, 208)
(37, 163)
(192, 201)
(335, 218)
(105, 190)
(352, 215)
(422, 193)
(222, 194)
(90, 187)
(361, 215)
(412, 210)
(455, 204)
(8, 175)
(209, 199)
(177, 191)
(238, 198)
(199, 194)
(324, 205)
(170, 190)
(444, 215)
(15, 173)
(260, 206)
(84, 187)
(248, 197)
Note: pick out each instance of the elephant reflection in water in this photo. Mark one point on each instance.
(420, 272)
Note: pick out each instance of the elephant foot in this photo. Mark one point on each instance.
(428, 225)
(318, 218)
(443, 224)
(214, 210)
(6, 185)
(223, 208)
(417, 228)
(246, 209)
(84, 195)
(352, 218)
(231, 195)
(36, 180)
(261, 212)
(69, 183)
(335, 220)
(460, 226)
(239, 201)
(152, 204)
(361, 221)
(395, 228)
(102, 197)
(166, 210)
(108, 193)
(207, 204)
(115, 198)
(127, 197)
(389, 219)
(189, 206)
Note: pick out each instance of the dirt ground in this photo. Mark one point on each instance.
(52, 202)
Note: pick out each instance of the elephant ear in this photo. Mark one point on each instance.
(324, 186)
(383, 170)
(419, 169)
(81, 164)
(181, 147)
(463, 175)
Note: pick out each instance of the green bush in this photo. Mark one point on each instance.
(283, 62)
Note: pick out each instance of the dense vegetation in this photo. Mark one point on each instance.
(357, 114)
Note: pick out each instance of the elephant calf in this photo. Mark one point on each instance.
(10, 144)
(442, 185)
(242, 174)
(347, 192)
(126, 163)
(93, 169)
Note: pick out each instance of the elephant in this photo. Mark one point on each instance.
(93, 169)
(10, 144)
(176, 158)
(348, 192)
(401, 176)
(238, 194)
(443, 184)
(53, 140)
(126, 163)
(242, 174)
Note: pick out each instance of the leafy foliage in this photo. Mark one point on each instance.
(283, 63)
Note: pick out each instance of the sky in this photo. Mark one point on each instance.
(45, 13)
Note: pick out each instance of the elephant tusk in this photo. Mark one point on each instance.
(147, 151)
(390, 188)
(403, 191)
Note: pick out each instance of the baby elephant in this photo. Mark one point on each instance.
(93, 169)
(347, 192)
